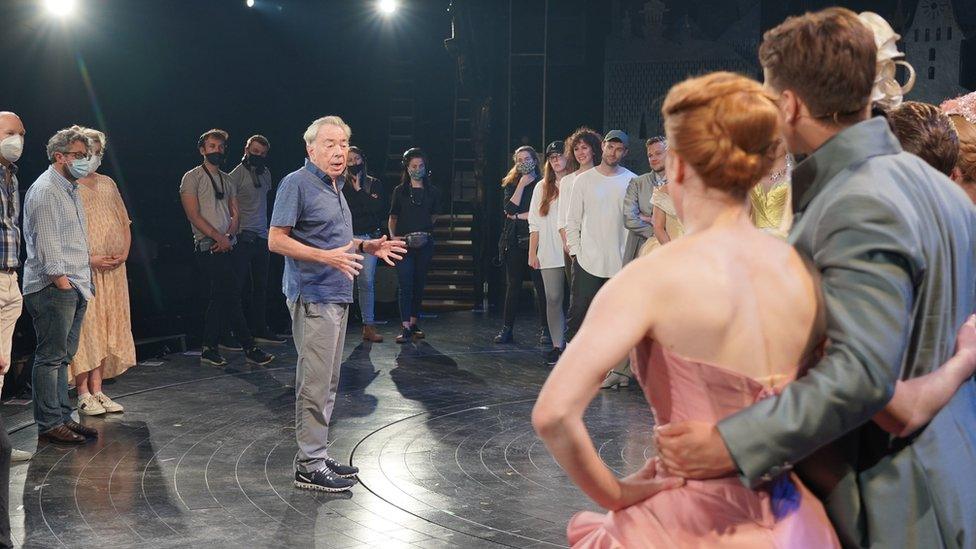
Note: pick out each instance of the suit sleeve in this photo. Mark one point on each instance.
(862, 251)
(632, 219)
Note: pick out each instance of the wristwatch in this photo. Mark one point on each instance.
(360, 248)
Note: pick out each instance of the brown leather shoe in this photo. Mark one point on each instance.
(61, 435)
(369, 334)
(81, 429)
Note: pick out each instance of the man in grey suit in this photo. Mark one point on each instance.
(637, 201)
(894, 243)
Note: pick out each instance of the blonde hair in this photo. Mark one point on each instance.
(726, 127)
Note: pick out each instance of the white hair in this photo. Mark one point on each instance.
(313, 129)
(93, 135)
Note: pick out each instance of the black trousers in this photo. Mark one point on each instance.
(254, 258)
(4, 487)
(516, 263)
(583, 290)
(412, 276)
(224, 306)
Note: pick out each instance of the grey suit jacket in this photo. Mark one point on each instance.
(637, 201)
(895, 243)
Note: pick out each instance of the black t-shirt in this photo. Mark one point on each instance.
(414, 208)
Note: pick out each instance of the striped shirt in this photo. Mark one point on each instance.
(56, 235)
(9, 216)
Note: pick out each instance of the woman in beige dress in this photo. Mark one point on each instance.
(105, 349)
(667, 226)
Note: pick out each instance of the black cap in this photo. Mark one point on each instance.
(619, 136)
(556, 147)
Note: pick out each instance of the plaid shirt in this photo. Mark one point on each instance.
(9, 219)
(56, 235)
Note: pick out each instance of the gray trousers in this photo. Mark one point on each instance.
(319, 330)
(554, 281)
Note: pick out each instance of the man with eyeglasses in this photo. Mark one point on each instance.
(210, 201)
(57, 282)
(251, 180)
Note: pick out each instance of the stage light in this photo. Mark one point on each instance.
(249, 3)
(59, 8)
(387, 7)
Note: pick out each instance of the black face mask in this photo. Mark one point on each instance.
(215, 158)
(355, 169)
(255, 161)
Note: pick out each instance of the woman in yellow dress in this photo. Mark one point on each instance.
(105, 347)
(771, 200)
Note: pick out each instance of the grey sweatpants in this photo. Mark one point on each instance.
(319, 330)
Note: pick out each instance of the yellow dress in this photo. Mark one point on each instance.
(106, 331)
(672, 224)
(771, 208)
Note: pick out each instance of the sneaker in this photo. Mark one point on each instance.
(417, 332)
(256, 356)
(615, 380)
(88, 405)
(324, 481)
(228, 343)
(110, 405)
(505, 336)
(406, 336)
(212, 356)
(340, 470)
(20, 455)
(552, 357)
(270, 339)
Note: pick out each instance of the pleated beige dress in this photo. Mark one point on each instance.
(106, 333)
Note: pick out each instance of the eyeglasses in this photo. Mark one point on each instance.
(77, 155)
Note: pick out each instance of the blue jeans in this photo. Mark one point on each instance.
(412, 275)
(367, 284)
(57, 318)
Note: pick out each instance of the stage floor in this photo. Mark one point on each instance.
(203, 456)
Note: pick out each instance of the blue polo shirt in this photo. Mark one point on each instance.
(319, 217)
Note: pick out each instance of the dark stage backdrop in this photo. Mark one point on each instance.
(155, 74)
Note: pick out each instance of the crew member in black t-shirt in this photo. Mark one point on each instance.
(412, 212)
(513, 247)
(369, 205)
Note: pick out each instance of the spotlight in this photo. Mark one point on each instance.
(59, 8)
(387, 7)
(249, 3)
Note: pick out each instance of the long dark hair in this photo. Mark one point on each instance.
(409, 155)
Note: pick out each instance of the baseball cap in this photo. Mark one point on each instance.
(619, 136)
(556, 147)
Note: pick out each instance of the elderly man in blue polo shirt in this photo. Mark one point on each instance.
(312, 227)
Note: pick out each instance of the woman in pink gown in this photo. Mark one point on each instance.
(720, 318)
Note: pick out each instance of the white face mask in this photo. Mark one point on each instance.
(12, 147)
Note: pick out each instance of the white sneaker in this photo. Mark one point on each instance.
(110, 405)
(90, 406)
(20, 455)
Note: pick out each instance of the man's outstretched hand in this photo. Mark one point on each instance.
(344, 259)
(385, 249)
(693, 450)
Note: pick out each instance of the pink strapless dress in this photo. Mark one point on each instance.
(713, 513)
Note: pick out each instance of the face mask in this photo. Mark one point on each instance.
(417, 175)
(12, 147)
(525, 167)
(80, 168)
(215, 158)
(355, 169)
(96, 162)
(255, 161)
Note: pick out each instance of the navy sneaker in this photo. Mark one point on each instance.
(340, 470)
(212, 356)
(323, 481)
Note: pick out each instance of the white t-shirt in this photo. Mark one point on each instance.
(550, 243)
(565, 189)
(595, 229)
